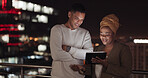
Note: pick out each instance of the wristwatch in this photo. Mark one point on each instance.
(68, 48)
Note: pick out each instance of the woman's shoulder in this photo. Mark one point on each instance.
(121, 45)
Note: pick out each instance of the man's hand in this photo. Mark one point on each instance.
(66, 48)
(79, 68)
(74, 67)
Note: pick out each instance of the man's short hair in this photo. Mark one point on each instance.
(77, 7)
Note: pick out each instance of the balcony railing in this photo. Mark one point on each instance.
(142, 73)
(22, 66)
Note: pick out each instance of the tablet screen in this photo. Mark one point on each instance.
(90, 55)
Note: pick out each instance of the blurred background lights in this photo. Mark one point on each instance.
(140, 40)
(30, 6)
(2, 76)
(19, 4)
(30, 38)
(35, 39)
(42, 47)
(47, 10)
(32, 57)
(96, 44)
(45, 38)
(42, 18)
(5, 38)
(37, 8)
(23, 38)
(22, 5)
(21, 27)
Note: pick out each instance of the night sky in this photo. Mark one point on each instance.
(133, 15)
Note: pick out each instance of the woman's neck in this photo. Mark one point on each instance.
(109, 47)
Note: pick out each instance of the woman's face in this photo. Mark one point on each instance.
(106, 35)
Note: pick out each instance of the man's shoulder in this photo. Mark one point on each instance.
(83, 29)
(57, 26)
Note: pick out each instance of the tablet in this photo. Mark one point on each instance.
(90, 55)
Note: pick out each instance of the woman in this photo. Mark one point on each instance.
(118, 62)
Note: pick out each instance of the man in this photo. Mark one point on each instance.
(69, 44)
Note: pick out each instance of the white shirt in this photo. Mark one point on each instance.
(80, 42)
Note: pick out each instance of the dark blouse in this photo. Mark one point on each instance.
(119, 61)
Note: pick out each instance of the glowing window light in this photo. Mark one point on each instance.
(2, 76)
(50, 10)
(21, 27)
(22, 5)
(14, 3)
(35, 39)
(47, 10)
(96, 44)
(12, 76)
(140, 40)
(34, 20)
(32, 57)
(5, 38)
(23, 38)
(43, 19)
(42, 47)
(30, 38)
(45, 38)
(19, 4)
(30, 6)
(37, 8)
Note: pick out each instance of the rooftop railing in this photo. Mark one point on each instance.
(22, 66)
(142, 73)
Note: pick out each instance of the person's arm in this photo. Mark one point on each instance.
(125, 68)
(57, 52)
(80, 53)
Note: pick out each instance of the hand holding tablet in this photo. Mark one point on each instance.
(95, 56)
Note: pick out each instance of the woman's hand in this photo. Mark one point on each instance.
(100, 61)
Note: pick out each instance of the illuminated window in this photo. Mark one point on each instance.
(140, 40)
(42, 47)
(47, 10)
(5, 38)
(21, 27)
(43, 19)
(19, 4)
(30, 6)
(37, 8)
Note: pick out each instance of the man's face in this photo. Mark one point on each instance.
(76, 19)
(106, 35)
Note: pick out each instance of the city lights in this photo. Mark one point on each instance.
(21, 27)
(37, 8)
(42, 47)
(11, 11)
(19, 4)
(42, 18)
(140, 40)
(30, 6)
(5, 38)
